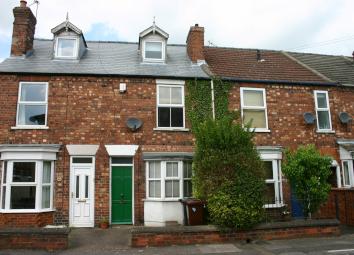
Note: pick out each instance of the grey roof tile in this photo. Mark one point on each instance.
(105, 58)
(337, 68)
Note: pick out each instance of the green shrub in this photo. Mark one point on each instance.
(228, 173)
(308, 172)
(238, 204)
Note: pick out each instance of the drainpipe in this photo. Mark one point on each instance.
(212, 98)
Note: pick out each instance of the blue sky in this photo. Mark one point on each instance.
(319, 26)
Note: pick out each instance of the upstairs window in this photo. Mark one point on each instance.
(254, 108)
(170, 106)
(153, 51)
(32, 104)
(66, 47)
(322, 111)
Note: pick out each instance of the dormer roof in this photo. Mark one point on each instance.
(153, 29)
(68, 26)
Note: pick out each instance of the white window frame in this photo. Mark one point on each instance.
(350, 173)
(163, 180)
(75, 50)
(187, 178)
(277, 181)
(264, 108)
(163, 56)
(19, 102)
(327, 109)
(38, 184)
(170, 84)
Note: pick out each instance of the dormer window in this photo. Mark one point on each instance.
(69, 41)
(153, 50)
(66, 47)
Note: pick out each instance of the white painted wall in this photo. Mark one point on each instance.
(156, 213)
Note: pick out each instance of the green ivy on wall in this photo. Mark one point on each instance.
(199, 100)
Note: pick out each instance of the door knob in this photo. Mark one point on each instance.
(121, 195)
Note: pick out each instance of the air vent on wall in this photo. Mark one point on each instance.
(309, 118)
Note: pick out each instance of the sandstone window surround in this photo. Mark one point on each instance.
(323, 113)
(32, 106)
(254, 108)
(27, 178)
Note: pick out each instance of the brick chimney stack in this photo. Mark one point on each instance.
(195, 43)
(23, 30)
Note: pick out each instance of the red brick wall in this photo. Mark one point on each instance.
(26, 219)
(207, 237)
(90, 110)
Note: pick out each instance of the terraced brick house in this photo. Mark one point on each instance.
(92, 129)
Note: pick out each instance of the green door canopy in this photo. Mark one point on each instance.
(121, 195)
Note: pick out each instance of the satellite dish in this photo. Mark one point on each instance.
(344, 117)
(134, 123)
(309, 118)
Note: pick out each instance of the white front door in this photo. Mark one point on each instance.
(82, 195)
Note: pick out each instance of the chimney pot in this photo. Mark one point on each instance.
(197, 25)
(23, 3)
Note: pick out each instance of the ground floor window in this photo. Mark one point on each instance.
(27, 185)
(273, 194)
(347, 175)
(169, 179)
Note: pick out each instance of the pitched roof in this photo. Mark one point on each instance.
(337, 68)
(242, 64)
(105, 58)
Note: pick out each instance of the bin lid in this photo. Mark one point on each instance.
(193, 201)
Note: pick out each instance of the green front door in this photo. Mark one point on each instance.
(121, 194)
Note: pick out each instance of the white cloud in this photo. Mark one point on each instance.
(275, 24)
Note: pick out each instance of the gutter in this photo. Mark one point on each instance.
(284, 82)
(107, 75)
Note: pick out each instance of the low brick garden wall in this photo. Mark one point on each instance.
(183, 235)
(34, 238)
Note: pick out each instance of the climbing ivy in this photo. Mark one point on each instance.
(199, 101)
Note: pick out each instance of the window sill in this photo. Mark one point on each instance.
(29, 127)
(325, 131)
(171, 129)
(26, 211)
(161, 200)
(270, 206)
(259, 130)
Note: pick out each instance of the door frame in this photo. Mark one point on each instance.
(110, 188)
(72, 165)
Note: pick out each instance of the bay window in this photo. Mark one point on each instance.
(273, 192)
(169, 179)
(170, 106)
(254, 108)
(347, 173)
(27, 185)
(322, 111)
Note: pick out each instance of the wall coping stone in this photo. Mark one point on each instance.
(34, 231)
